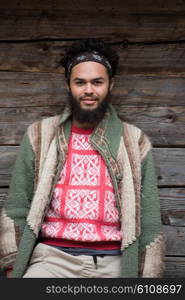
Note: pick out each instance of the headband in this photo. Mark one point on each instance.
(89, 56)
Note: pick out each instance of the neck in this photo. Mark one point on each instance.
(83, 125)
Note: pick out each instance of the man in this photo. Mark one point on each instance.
(83, 199)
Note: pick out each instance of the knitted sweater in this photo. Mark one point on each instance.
(127, 153)
(83, 206)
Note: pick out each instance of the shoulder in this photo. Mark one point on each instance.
(46, 124)
(42, 131)
(136, 134)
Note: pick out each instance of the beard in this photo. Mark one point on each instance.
(90, 116)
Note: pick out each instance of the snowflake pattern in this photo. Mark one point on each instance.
(83, 201)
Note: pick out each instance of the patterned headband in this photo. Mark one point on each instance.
(89, 56)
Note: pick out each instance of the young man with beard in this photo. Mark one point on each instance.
(83, 200)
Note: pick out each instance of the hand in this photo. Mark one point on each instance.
(9, 273)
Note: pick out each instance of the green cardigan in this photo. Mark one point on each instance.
(128, 155)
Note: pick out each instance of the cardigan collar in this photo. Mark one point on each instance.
(109, 130)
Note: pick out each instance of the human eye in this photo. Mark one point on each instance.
(98, 82)
(79, 82)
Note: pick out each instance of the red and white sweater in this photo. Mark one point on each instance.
(83, 209)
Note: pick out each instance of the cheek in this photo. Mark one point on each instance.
(75, 91)
(104, 91)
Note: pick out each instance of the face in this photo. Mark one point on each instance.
(89, 90)
(89, 84)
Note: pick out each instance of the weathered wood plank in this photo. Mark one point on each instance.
(130, 6)
(72, 23)
(159, 59)
(175, 240)
(169, 166)
(164, 59)
(171, 199)
(43, 89)
(174, 267)
(19, 89)
(14, 121)
(172, 206)
(173, 217)
(150, 90)
(164, 125)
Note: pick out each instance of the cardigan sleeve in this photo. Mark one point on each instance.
(13, 214)
(152, 242)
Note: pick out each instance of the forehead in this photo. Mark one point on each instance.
(89, 70)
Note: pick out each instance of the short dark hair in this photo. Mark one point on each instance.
(88, 45)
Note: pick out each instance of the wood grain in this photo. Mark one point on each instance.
(163, 125)
(169, 166)
(171, 200)
(175, 240)
(149, 87)
(77, 21)
(130, 6)
(137, 59)
(43, 89)
(174, 267)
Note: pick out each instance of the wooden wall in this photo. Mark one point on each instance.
(149, 92)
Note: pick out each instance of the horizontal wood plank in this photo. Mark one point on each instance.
(158, 59)
(19, 89)
(172, 206)
(43, 89)
(175, 240)
(174, 267)
(111, 23)
(169, 166)
(164, 125)
(171, 199)
(14, 121)
(130, 6)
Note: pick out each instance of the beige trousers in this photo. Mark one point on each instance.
(50, 262)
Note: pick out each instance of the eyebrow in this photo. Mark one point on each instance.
(97, 78)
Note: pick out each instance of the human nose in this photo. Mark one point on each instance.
(88, 88)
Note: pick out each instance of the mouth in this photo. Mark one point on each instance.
(88, 101)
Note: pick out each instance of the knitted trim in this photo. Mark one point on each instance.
(145, 145)
(8, 238)
(48, 130)
(62, 143)
(41, 198)
(128, 206)
(8, 261)
(130, 162)
(153, 267)
(34, 134)
(131, 138)
(41, 134)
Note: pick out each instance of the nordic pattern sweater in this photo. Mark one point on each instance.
(83, 206)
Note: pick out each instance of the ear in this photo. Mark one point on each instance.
(111, 83)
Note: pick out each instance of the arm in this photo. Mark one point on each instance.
(152, 245)
(14, 213)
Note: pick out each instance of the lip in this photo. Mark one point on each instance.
(88, 101)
